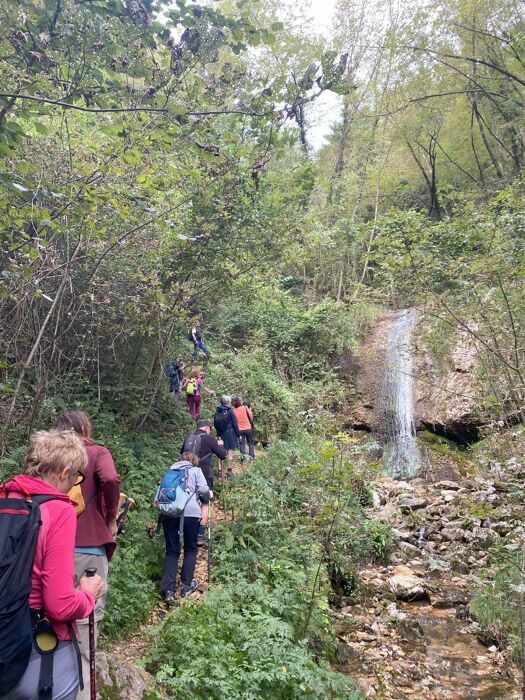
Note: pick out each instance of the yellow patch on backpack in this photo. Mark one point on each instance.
(75, 495)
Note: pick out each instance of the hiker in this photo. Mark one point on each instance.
(175, 372)
(225, 422)
(194, 514)
(204, 445)
(56, 460)
(97, 523)
(194, 386)
(195, 335)
(244, 416)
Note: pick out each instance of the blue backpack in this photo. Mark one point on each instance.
(174, 492)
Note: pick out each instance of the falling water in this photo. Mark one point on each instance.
(396, 402)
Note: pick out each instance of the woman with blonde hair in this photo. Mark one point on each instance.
(55, 462)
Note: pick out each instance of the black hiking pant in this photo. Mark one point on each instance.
(247, 435)
(168, 581)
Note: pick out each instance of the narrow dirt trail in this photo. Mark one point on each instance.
(411, 634)
(135, 649)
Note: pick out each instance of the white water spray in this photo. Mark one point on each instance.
(401, 457)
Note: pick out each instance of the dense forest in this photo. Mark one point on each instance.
(157, 167)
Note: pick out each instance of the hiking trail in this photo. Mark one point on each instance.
(133, 650)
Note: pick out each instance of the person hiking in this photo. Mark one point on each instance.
(175, 372)
(244, 417)
(204, 445)
(225, 422)
(194, 514)
(55, 461)
(195, 335)
(194, 386)
(97, 523)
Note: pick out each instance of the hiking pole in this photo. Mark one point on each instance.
(209, 543)
(92, 665)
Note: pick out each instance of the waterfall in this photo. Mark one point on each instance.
(402, 458)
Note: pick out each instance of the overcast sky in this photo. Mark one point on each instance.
(326, 109)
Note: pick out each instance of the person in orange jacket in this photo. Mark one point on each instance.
(244, 417)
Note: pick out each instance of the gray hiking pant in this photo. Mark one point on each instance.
(65, 675)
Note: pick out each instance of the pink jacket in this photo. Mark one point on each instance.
(53, 582)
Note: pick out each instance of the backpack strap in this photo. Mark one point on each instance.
(181, 523)
(77, 654)
(45, 679)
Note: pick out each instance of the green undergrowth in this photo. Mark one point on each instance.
(264, 630)
(496, 601)
(447, 448)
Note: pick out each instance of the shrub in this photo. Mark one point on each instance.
(238, 644)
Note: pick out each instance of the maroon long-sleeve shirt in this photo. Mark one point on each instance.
(101, 492)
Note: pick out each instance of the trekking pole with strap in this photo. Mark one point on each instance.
(209, 544)
(92, 664)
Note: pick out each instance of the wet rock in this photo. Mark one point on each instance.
(409, 550)
(377, 585)
(394, 615)
(483, 535)
(345, 653)
(402, 535)
(494, 499)
(501, 527)
(401, 486)
(407, 587)
(452, 534)
(118, 678)
(462, 612)
(366, 688)
(410, 630)
(459, 563)
(411, 504)
(365, 637)
(448, 485)
(448, 598)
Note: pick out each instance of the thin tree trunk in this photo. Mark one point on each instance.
(33, 350)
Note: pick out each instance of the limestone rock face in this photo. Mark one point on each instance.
(446, 395)
(445, 392)
(120, 680)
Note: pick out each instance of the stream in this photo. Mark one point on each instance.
(410, 632)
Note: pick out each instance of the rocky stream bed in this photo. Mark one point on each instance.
(412, 633)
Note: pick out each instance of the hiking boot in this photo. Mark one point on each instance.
(169, 597)
(188, 590)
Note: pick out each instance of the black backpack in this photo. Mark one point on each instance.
(19, 525)
(221, 421)
(192, 444)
